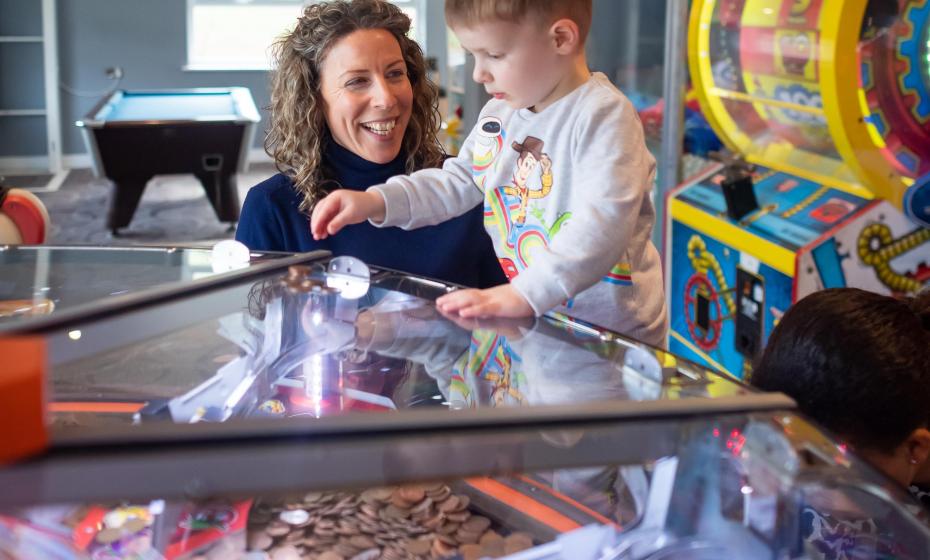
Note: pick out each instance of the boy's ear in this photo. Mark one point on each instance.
(565, 36)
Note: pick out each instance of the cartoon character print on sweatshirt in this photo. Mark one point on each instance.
(508, 214)
(507, 210)
(489, 374)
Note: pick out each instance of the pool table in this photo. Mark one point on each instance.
(135, 135)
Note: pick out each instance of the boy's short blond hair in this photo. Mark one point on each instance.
(469, 12)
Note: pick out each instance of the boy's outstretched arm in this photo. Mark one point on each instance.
(499, 301)
(343, 208)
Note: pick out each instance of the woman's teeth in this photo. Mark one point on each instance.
(381, 128)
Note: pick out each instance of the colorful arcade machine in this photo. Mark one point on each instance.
(826, 106)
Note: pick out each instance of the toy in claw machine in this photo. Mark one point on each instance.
(837, 142)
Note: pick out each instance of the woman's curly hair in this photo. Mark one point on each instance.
(298, 125)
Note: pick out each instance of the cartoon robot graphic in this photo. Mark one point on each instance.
(489, 142)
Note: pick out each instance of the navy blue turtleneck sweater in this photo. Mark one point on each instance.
(457, 251)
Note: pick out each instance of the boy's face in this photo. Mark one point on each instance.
(515, 62)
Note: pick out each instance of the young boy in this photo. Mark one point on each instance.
(559, 161)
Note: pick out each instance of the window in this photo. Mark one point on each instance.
(237, 34)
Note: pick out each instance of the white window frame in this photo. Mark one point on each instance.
(191, 64)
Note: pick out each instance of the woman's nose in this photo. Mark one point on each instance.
(383, 95)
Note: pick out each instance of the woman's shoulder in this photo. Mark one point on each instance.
(276, 191)
(275, 186)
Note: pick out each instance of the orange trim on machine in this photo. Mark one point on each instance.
(23, 430)
(89, 406)
(525, 504)
(570, 501)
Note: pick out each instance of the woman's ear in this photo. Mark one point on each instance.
(918, 448)
(565, 36)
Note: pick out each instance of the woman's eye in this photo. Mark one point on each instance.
(495, 56)
(357, 82)
(396, 74)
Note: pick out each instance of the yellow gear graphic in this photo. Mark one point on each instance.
(877, 247)
(702, 260)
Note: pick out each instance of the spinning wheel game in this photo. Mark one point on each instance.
(829, 102)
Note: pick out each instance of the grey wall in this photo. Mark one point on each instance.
(627, 43)
(146, 38)
(21, 79)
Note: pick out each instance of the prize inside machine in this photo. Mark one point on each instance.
(824, 108)
(327, 411)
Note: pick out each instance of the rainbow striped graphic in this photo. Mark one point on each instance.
(620, 274)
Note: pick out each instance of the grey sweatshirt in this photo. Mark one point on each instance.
(566, 203)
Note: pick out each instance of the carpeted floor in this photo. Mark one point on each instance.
(173, 209)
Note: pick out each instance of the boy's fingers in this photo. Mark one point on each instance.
(322, 214)
(477, 309)
(458, 299)
(339, 221)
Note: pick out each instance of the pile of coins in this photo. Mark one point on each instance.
(394, 523)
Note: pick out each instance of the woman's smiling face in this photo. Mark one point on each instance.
(367, 94)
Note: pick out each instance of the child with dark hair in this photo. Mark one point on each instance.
(859, 363)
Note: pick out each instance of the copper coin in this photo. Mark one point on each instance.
(394, 512)
(419, 546)
(449, 504)
(412, 494)
(362, 542)
(329, 555)
(345, 549)
(312, 497)
(466, 537)
(491, 536)
(441, 548)
(458, 516)
(399, 501)
(448, 529)
(478, 524)
(433, 522)
(422, 506)
(471, 551)
(464, 502)
(516, 542)
(440, 495)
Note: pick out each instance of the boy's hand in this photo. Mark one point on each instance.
(499, 301)
(342, 208)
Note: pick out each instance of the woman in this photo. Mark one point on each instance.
(350, 107)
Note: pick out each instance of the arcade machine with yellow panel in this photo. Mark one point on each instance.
(824, 107)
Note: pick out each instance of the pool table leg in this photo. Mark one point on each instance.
(222, 194)
(125, 200)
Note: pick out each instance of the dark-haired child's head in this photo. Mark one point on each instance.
(858, 363)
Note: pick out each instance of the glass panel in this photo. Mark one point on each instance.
(44, 280)
(711, 487)
(290, 345)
